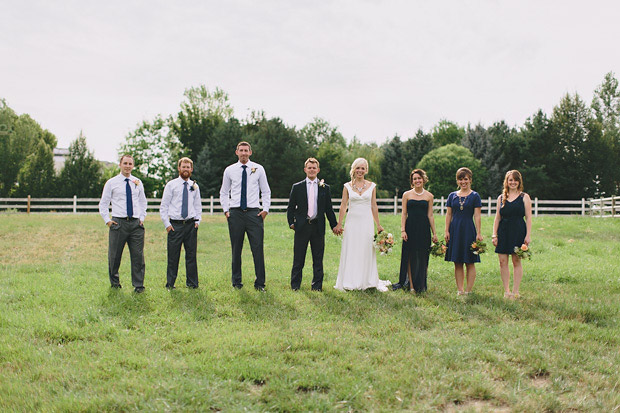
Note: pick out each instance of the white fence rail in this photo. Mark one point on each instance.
(604, 207)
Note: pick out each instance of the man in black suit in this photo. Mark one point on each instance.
(310, 201)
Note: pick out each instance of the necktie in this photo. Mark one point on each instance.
(129, 200)
(184, 204)
(311, 198)
(244, 188)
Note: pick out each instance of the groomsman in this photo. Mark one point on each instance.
(242, 184)
(180, 211)
(310, 201)
(126, 193)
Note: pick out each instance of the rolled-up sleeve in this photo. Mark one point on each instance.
(225, 190)
(198, 205)
(265, 191)
(104, 203)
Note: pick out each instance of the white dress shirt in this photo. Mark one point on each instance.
(114, 192)
(257, 186)
(312, 185)
(172, 201)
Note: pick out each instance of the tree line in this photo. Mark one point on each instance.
(571, 153)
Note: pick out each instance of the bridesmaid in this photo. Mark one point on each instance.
(461, 231)
(510, 231)
(416, 225)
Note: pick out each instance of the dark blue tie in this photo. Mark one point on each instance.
(244, 188)
(129, 200)
(184, 204)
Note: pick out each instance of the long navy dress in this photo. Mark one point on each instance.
(511, 230)
(462, 229)
(417, 247)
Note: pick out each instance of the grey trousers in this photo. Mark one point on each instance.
(239, 223)
(184, 234)
(130, 232)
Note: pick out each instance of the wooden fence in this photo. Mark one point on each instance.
(604, 207)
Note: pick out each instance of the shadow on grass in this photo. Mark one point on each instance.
(193, 302)
(126, 306)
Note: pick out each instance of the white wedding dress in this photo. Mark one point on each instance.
(358, 260)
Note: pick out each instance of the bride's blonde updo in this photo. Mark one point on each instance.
(355, 164)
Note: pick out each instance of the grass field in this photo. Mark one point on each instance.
(70, 343)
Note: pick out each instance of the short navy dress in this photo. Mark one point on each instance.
(462, 229)
(511, 230)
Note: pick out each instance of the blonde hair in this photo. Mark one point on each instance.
(516, 175)
(185, 159)
(311, 160)
(355, 164)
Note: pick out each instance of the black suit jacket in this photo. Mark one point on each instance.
(297, 210)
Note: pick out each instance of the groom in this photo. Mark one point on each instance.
(310, 201)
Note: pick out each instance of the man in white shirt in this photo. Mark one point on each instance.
(243, 184)
(180, 211)
(126, 193)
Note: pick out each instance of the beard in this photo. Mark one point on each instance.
(186, 174)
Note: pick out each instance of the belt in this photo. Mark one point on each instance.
(125, 218)
(244, 210)
(183, 221)
(311, 221)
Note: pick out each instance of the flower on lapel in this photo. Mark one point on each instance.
(136, 182)
(322, 183)
(252, 171)
(194, 186)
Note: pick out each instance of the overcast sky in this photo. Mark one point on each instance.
(372, 68)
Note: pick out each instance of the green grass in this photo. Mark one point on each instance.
(70, 343)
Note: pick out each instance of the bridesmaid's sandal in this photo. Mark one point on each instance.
(461, 293)
(516, 296)
(508, 295)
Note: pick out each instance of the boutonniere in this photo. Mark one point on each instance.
(194, 186)
(322, 183)
(136, 182)
(253, 170)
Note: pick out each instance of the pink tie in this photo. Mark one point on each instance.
(311, 197)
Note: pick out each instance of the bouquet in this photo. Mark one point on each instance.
(523, 252)
(478, 247)
(438, 249)
(384, 242)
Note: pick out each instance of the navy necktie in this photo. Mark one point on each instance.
(129, 199)
(244, 188)
(184, 204)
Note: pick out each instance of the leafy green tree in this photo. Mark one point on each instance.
(319, 131)
(19, 137)
(577, 162)
(441, 165)
(155, 150)
(447, 132)
(280, 150)
(213, 159)
(37, 176)
(606, 107)
(81, 174)
(200, 115)
(333, 163)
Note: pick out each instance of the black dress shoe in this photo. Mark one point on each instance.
(317, 289)
(192, 287)
(295, 288)
(396, 286)
(261, 289)
(138, 290)
(170, 287)
(237, 286)
(118, 286)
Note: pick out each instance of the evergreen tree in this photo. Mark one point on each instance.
(81, 174)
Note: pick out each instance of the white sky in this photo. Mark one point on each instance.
(372, 68)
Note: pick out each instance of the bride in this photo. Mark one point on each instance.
(358, 262)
